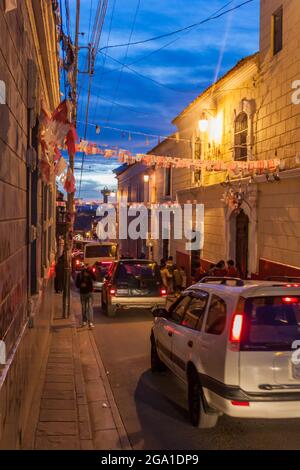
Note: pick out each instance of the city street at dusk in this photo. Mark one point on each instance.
(149, 232)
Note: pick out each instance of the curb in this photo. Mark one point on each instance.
(125, 443)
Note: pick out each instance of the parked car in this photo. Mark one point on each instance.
(133, 284)
(231, 343)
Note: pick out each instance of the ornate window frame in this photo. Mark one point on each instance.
(248, 107)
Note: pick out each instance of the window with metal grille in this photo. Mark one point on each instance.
(277, 31)
(241, 137)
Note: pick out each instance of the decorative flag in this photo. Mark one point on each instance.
(69, 184)
(60, 166)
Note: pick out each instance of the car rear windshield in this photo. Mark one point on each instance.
(137, 273)
(272, 323)
(101, 251)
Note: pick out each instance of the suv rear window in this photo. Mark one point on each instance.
(272, 323)
(138, 274)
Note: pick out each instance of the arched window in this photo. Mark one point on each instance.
(241, 137)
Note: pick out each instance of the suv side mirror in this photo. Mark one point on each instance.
(160, 312)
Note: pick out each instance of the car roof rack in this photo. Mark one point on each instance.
(223, 280)
(283, 279)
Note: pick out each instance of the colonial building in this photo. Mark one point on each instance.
(251, 216)
(28, 74)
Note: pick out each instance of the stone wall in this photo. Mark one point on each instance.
(26, 213)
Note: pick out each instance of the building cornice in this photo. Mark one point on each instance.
(44, 38)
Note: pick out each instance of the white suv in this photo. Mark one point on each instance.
(231, 342)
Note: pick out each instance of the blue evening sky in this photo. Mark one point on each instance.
(120, 98)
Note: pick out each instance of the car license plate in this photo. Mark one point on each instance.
(122, 291)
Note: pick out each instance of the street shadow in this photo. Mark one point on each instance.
(159, 401)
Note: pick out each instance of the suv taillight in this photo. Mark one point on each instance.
(112, 291)
(163, 292)
(236, 327)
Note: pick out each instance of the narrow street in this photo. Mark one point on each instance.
(153, 407)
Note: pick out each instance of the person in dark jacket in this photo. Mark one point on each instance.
(84, 282)
(59, 275)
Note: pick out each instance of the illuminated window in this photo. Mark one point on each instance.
(240, 137)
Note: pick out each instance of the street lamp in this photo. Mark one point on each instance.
(203, 122)
(146, 178)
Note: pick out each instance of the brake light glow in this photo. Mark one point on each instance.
(240, 403)
(290, 300)
(163, 292)
(77, 262)
(236, 328)
(94, 270)
(112, 291)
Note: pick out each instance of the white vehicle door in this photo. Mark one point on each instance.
(185, 346)
(213, 341)
(271, 336)
(166, 327)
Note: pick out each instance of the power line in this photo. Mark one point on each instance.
(96, 35)
(194, 25)
(126, 53)
(107, 42)
(99, 98)
(176, 39)
(144, 76)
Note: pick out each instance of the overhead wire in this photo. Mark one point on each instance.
(95, 40)
(194, 25)
(125, 58)
(104, 60)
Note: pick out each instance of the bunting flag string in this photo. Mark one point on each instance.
(57, 132)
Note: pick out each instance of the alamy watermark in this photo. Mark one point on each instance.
(296, 93)
(152, 222)
(296, 353)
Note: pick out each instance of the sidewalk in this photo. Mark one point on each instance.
(77, 407)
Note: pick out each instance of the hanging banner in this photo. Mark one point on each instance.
(60, 166)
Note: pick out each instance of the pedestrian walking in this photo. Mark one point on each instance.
(59, 275)
(84, 282)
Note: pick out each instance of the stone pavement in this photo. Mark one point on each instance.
(77, 407)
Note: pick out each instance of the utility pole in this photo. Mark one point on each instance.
(70, 200)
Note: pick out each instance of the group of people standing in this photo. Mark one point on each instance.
(173, 277)
(221, 269)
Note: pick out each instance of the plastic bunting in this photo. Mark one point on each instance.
(69, 184)
(57, 132)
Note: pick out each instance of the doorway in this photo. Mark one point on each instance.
(242, 243)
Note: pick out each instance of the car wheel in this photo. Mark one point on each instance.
(198, 415)
(103, 304)
(156, 364)
(111, 310)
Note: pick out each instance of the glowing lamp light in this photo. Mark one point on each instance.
(203, 123)
(146, 178)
